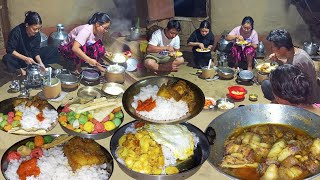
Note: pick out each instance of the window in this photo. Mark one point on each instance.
(191, 8)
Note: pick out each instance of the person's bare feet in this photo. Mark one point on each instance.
(21, 72)
(168, 67)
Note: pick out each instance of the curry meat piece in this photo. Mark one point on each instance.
(83, 152)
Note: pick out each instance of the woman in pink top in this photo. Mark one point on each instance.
(84, 43)
(243, 55)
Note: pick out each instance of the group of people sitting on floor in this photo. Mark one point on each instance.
(294, 82)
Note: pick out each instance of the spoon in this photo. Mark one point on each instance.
(210, 61)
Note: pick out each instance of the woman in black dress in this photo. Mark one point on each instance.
(23, 46)
(202, 41)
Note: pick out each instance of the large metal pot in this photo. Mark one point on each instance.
(134, 34)
(90, 74)
(311, 48)
(256, 114)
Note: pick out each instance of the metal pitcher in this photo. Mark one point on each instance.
(33, 76)
(260, 48)
(311, 48)
(56, 38)
(224, 45)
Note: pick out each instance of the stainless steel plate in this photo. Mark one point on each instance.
(187, 168)
(7, 106)
(89, 136)
(89, 92)
(134, 89)
(4, 162)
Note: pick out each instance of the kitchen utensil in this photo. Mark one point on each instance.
(260, 48)
(34, 79)
(52, 89)
(115, 73)
(189, 168)
(4, 162)
(256, 114)
(57, 37)
(311, 48)
(90, 74)
(113, 88)
(245, 75)
(224, 45)
(69, 82)
(237, 92)
(89, 92)
(207, 73)
(134, 89)
(225, 72)
(253, 97)
(14, 86)
(261, 77)
(224, 104)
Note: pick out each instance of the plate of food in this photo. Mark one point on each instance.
(209, 103)
(95, 119)
(242, 43)
(163, 100)
(56, 157)
(203, 50)
(175, 54)
(266, 67)
(164, 158)
(27, 115)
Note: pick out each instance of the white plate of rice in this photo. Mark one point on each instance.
(54, 165)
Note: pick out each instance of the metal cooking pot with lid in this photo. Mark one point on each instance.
(311, 48)
(115, 73)
(256, 114)
(90, 74)
(69, 82)
(225, 72)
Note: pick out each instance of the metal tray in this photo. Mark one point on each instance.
(134, 89)
(14, 147)
(190, 167)
(89, 136)
(7, 106)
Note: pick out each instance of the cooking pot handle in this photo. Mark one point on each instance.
(211, 135)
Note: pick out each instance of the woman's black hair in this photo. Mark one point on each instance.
(205, 24)
(100, 18)
(248, 19)
(32, 18)
(288, 82)
(174, 24)
(280, 38)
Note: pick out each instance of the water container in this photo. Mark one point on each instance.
(260, 48)
(56, 38)
(44, 40)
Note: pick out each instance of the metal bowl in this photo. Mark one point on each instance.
(114, 89)
(134, 89)
(225, 72)
(245, 75)
(190, 167)
(221, 101)
(89, 92)
(14, 147)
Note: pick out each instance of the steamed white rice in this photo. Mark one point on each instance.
(29, 117)
(166, 109)
(54, 165)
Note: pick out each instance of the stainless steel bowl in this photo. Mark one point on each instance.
(114, 89)
(220, 101)
(134, 89)
(225, 72)
(188, 168)
(245, 75)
